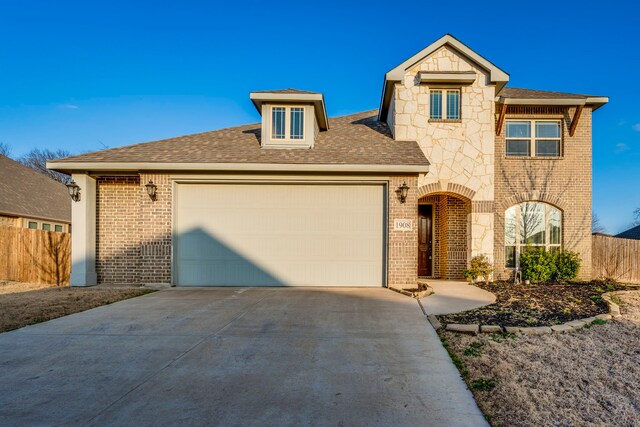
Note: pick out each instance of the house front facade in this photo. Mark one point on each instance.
(452, 165)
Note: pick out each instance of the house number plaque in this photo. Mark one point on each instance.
(403, 225)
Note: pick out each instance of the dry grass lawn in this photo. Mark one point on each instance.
(23, 304)
(585, 378)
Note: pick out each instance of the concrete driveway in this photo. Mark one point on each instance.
(235, 356)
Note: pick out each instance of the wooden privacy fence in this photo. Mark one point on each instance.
(34, 256)
(616, 258)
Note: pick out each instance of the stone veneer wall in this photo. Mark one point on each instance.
(117, 229)
(461, 152)
(403, 245)
(564, 183)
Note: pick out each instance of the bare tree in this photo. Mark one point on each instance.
(636, 217)
(596, 225)
(5, 149)
(37, 159)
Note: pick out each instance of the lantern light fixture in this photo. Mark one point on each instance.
(402, 192)
(151, 190)
(74, 191)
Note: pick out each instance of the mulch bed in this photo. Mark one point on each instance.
(542, 304)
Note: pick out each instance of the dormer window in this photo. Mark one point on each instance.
(287, 123)
(291, 118)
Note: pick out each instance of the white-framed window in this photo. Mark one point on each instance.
(533, 138)
(531, 225)
(46, 227)
(59, 228)
(287, 123)
(444, 104)
(32, 225)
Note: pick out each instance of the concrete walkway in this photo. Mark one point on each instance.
(236, 356)
(450, 296)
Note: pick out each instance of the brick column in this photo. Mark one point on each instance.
(156, 230)
(403, 244)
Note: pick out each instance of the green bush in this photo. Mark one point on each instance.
(480, 267)
(567, 265)
(537, 264)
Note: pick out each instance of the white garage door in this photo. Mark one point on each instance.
(279, 235)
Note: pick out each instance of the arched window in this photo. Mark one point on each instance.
(531, 224)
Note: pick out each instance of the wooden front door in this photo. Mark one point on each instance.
(425, 240)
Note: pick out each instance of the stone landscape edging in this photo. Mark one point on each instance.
(574, 325)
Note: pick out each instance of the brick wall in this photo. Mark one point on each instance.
(117, 229)
(457, 236)
(564, 183)
(134, 233)
(155, 230)
(403, 245)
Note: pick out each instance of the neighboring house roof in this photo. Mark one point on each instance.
(513, 95)
(27, 193)
(357, 142)
(632, 233)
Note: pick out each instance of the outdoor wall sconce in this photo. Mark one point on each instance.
(402, 192)
(151, 190)
(74, 191)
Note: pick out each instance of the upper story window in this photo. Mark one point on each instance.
(533, 138)
(531, 225)
(444, 104)
(287, 123)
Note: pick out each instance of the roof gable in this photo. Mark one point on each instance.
(496, 75)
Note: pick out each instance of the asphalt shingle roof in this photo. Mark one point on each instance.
(289, 90)
(514, 92)
(358, 139)
(25, 192)
(632, 233)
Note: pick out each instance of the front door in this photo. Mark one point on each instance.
(425, 239)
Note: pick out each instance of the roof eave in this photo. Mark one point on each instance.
(87, 167)
(593, 101)
(35, 216)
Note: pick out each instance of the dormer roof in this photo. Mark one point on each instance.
(293, 96)
(496, 75)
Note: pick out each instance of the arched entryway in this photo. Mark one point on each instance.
(443, 235)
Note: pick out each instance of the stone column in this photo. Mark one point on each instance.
(83, 233)
(481, 231)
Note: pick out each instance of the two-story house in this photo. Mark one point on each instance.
(452, 165)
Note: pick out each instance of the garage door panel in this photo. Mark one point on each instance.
(273, 234)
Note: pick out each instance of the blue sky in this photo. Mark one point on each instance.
(88, 75)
